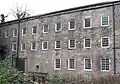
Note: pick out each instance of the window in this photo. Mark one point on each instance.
(34, 30)
(87, 43)
(71, 64)
(105, 42)
(45, 28)
(57, 44)
(23, 47)
(14, 33)
(105, 21)
(87, 23)
(14, 47)
(33, 46)
(24, 31)
(71, 44)
(6, 34)
(58, 27)
(72, 25)
(45, 45)
(105, 64)
(57, 64)
(87, 64)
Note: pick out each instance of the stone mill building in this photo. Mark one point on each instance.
(83, 40)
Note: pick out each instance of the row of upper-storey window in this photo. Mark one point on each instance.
(58, 26)
(105, 43)
(71, 64)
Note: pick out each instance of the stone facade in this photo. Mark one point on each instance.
(45, 58)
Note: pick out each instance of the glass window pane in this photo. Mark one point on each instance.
(45, 28)
(87, 22)
(105, 20)
(72, 24)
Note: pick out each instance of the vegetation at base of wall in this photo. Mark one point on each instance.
(55, 79)
(58, 79)
(9, 75)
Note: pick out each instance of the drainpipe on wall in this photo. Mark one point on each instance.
(18, 43)
(114, 51)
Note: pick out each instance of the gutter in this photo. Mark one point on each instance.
(114, 51)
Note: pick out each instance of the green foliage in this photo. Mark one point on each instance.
(55, 79)
(9, 75)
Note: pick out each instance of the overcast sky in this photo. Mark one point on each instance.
(44, 6)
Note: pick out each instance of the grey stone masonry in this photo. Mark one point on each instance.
(45, 59)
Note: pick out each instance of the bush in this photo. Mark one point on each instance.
(9, 75)
(55, 79)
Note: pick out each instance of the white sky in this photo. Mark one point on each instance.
(44, 6)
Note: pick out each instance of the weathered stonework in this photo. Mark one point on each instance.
(45, 59)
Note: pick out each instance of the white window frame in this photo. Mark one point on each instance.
(55, 64)
(69, 44)
(84, 22)
(90, 62)
(32, 31)
(6, 34)
(35, 46)
(69, 25)
(69, 64)
(22, 46)
(43, 29)
(101, 65)
(14, 33)
(43, 45)
(16, 47)
(55, 45)
(108, 42)
(56, 27)
(90, 42)
(101, 21)
(26, 32)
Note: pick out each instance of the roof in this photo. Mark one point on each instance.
(60, 11)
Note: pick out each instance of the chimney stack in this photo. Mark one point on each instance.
(2, 18)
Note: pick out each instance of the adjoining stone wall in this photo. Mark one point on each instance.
(117, 37)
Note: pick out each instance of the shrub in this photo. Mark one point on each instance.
(9, 75)
(55, 79)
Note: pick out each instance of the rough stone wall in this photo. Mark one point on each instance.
(45, 59)
(117, 37)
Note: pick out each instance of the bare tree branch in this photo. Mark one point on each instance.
(20, 12)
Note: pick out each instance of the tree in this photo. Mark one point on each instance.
(20, 12)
